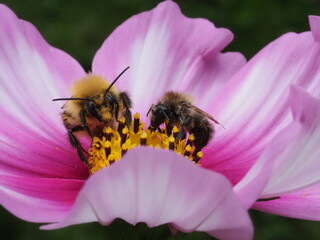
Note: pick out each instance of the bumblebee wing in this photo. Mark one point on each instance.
(198, 110)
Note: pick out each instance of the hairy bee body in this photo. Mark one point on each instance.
(95, 104)
(176, 109)
(105, 110)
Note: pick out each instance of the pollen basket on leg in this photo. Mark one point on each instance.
(116, 142)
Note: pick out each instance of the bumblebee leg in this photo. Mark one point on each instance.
(169, 128)
(75, 142)
(159, 130)
(152, 129)
(113, 101)
(81, 155)
(181, 134)
(84, 124)
(117, 109)
(127, 104)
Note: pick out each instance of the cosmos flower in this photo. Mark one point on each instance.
(268, 106)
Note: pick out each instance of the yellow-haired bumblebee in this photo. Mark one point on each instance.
(176, 109)
(94, 104)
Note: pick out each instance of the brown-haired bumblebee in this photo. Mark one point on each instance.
(176, 109)
(94, 104)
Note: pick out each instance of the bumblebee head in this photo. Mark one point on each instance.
(93, 109)
(103, 107)
(100, 106)
(159, 113)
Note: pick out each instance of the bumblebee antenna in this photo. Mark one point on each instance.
(114, 81)
(150, 110)
(62, 99)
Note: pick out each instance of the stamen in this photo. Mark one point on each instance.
(187, 151)
(112, 160)
(108, 133)
(121, 124)
(175, 131)
(136, 122)
(124, 135)
(198, 156)
(107, 148)
(171, 142)
(124, 149)
(116, 142)
(143, 139)
(191, 139)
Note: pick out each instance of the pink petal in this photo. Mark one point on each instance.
(296, 163)
(314, 22)
(303, 204)
(157, 186)
(291, 160)
(33, 156)
(167, 51)
(38, 199)
(32, 73)
(254, 105)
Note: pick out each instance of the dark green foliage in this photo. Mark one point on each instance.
(80, 27)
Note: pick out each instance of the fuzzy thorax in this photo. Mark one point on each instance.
(87, 87)
(116, 142)
(91, 85)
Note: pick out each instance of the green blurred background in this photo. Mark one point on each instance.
(79, 28)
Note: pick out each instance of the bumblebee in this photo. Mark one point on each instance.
(176, 109)
(94, 104)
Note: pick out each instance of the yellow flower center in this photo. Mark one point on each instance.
(116, 142)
